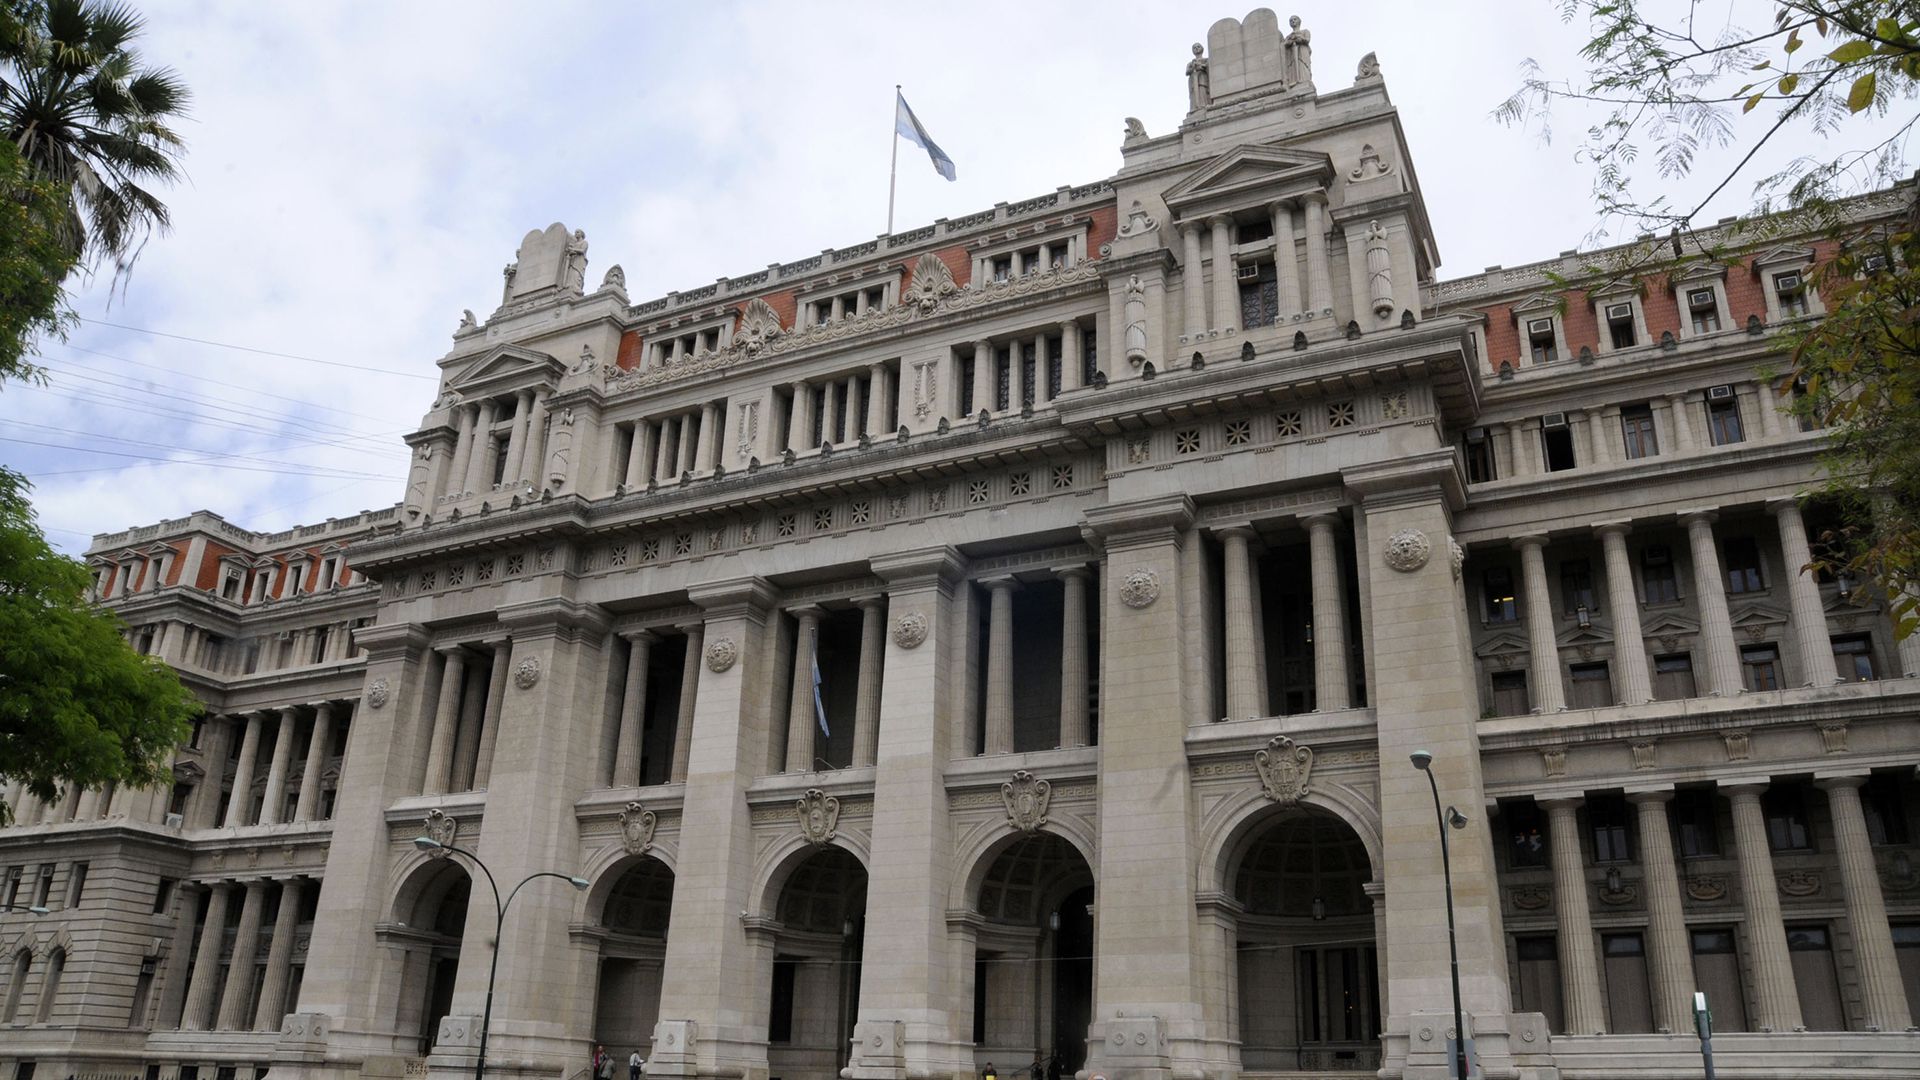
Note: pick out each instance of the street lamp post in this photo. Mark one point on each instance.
(1423, 761)
(428, 843)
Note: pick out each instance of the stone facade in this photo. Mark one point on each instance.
(1003, 643)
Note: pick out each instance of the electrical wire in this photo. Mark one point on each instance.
(182, 374)
(173, 461)
(261, 352)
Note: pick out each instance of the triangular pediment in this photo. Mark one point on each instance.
(1249, 174)
(508, 366)
(1701, 271)
(1499, 645)
(1757, 615)
(1537, 304)
(1784, 255)
(1668, 624)
(1596, 634)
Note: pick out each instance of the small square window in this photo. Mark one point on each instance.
(1186, 442)
(516, 564)
(861, 511)
(650, 549)
(1340, 414)
(1510, 693)
(1239, 432)
(1742, 555)
(1620, 329)
(683, 543)
(822, 518)
(1289, 423)
(1760, 667)
(1020, 483)
(1853, 658)
(976, 492)
(1062, 477)
(1541, 344)
(427, 581)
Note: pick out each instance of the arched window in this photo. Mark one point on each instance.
(22, 965)
(50, 985)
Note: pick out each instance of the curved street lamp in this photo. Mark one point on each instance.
(1423, 761)
(428, 843)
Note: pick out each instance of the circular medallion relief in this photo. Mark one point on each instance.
(1140, 588)
(721, 654)
(378, 693)
(526, 673)
(1459, 555)
(910, 630)
(1408, 550)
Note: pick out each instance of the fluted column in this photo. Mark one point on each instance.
(633, 708)
(1242, 655)
(1771, 963)
(1330, 678)
(1683, 436)
(203, 990)
(1542, 642)
(1074, 669)
(319, 748)
(1881, 991)
(833, 426)
(1623, 602)
(285, 731)
(689, 442)
(234, 1012)
(273, 991)
(482, 443)
(517, 438)
(1226, 296)
(800, 717)
(1286, 260)
(1767, 401)
(446, 722)
(1710, 592)
(1073, 356)
(1042, 385)
(1579, 971)
(666, 463)
(999, 702)
(983, 376)
(456, 476)
(533, 465)
(639, 455)
(689, 687)
(880, 392)
(1803, 598)
(1319, 282)
(1519, 449)
(1193, 286)
(866, 706)
(490, 716)
(709, 425)
(1670, 954)
(238, 803)
(1599, 436)
(800, 418)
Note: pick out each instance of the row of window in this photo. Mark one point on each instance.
(1740, 560)
(1590, 684)
(1019, 368)
(1622, 324)
(1639, 436)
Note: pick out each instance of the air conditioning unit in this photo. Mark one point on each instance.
(1248, 273)
(284, 635)
(1476, 434)
(1700, 299)
(1873, 263)
(1540, 326)
(174, 821)
(1720, 393)
(1619, 311)
(1786, 282)
(1554, 420)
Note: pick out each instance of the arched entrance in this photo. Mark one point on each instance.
(632, 926)
(1033, 958)
(430, 920)
(821, 921)
(1306, 959)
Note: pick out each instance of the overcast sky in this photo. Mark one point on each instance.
(359, 173)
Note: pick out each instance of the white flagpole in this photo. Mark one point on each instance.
(893, 168)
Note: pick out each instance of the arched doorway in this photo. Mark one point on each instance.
(1306, 959)
(1033, 958)
(633, 948)
(430, 921)
(821, 921)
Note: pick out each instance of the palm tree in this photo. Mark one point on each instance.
(86, 113)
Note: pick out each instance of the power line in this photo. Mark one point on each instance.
(180, 373)
(164, 412)
(333, 474)
(205, 454)
(261, 352)
(201, 400)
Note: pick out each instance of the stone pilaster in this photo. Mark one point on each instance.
(1778, 1002)
(800, 711)
(1803, 597)
(1710, 593)
(1193, 289)
(1330, 679)
(1623, 603)
(999, 701)
(239, 803)
(1549, 696)
(984, 378)
(1226, 298)
(866, 706)
(1670, 953)
(1882, 994)
(633, 707)
(1286, 260)
(1579, 970)
(1319, 282)
(273, 991)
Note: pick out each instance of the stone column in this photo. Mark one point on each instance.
(800, 417)
(1319, 283)
(1074, 718)
(273, 992)
(1710, 592)
(633, 708)
(1548, 695)
(456, 477)
(1226, 298)
(203, 990)
(1042, 385)
(1768, 959)
(866, 707)
(689, 688)
(1670, 953)
(242, 797)
(999, 702)
(640, 455)
(1909, 650)
(1599, 444)
(234, 999)
(1683, 436)
(800, 716)
(1803, 598)
(879, 392)
(666, 463)
(709, 433)
(276, 790)
(689, 442)
(1286, 261)
(1629, 647)
(1330, 679)
(1767, 401)
(1882, 994)
(490, 718)
(319, 748)
(479, 459)
(1193, 288)
(1073, 356)
(1242, 656)
(1579, 971)
(534, 466)
(984, 377)
(446, 721)
(1521, 459)
(517, 439)
(833, 425)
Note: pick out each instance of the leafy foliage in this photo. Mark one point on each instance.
(33, 263)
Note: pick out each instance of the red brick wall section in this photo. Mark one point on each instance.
(959, 263)
(210, 566)
(1503, 341)
(1662, 311)
(631, 345)
(1744, 294)
(179, 563)
(1581, 327)
(1102, 228)
(784, 305)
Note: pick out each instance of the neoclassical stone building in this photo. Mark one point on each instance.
(1003, 642)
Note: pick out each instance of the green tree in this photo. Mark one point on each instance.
(86, 113)
(1670, 88)
(33, 264)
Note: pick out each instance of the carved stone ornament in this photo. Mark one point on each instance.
(440, 829)
(526, 673)
(636, 828)
(1707, 889)
(1739, 745)
(1554, 760)
(1800, 882)
(1138, 222)
(1026, 798)
(1897, 874)
(1408, 550)
(721, 654)
(1644, 754)
(1833, 737)
(1532, 898)
(1369, 68)
(910, 630)
(1458, 554)
(932, 282)
(819, 815)
(379, 693)
(759, 324)
(1286, 770)
(1140, 588)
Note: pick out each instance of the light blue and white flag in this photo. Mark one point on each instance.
(908, 127)
(819, 706)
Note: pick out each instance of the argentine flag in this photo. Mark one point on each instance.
(819, 706)
(908, 126)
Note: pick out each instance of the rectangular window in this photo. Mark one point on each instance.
(1540, 341)
(1556, 442)
(1538, 959)
(1576, 585)
(1657, 577)
(1716, 968)
(1760, 667)
(1607, 821)
(1637, 434)
(1790, 290)
(1510, 693)
(1723, 422)
(163, 895)
(1853, 657)
(142, 993)
(1629, 1005)
(1620, 325)
(1592, 686)
(1527, 834)
(780, 1014)
(1479, 456)
(1742, 555)
(76, 884)
(1886, 810)
(43, 885)
(1814, 976)
(1704, 308)
(1497, 583)
(1673, 677)
(1259, 296)
(1694, 825)
(1785, 807)
(12, 889)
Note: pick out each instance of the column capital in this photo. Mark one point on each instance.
(1827, 781)
(806, 611)
(1704, 515)
(1568, 803)
(643, 635)
(1748, 788)
(1219, 221)
(1078, 570)
(1323, 519)
(1312, 198)
(871, 601)
(1065, 324)
(1001, 581)
(1276, 205)
(1643, 795)
(1527, 540)
(496, 642)
(325, 705)
(452, 649)
(1617, 528)
(1782, 505)
(289, 712)
(1238, 530)
(1189, 228)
